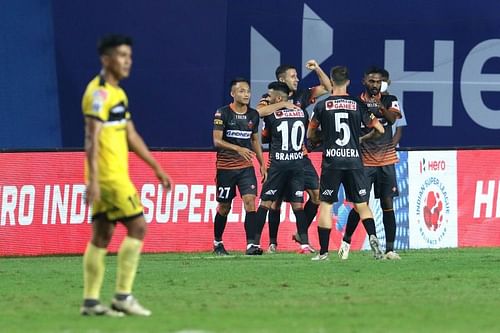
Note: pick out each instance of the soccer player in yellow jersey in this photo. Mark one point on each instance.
(109, 134)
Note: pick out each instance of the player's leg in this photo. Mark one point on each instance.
(94, 266)
(329, 186)
(387, 190)
(128, 209)
(358, 191)
(354, 217)
(225, 192)
(247, 185)
(311, 184)
(273, 216)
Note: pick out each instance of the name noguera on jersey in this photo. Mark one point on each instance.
(341, 152)
(238, 134)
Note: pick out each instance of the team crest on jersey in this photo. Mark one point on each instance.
(250, 124)
(395, 105)
(98, 99)
(289, 114)
(217, 114)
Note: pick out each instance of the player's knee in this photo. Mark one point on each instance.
(224, 209)
(102, 238)
(249, 202)
(314, 197)
(386, 204)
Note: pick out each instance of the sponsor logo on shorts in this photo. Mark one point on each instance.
(327, 192)
(271, 192)
(299, 194)
(362, 192)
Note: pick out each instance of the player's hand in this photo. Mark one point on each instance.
(164, 179)
(291, 106)
(93, 193)
(263, 172)
(312, 65)
(246, 153)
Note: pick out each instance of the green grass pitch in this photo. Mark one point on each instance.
(449, 290)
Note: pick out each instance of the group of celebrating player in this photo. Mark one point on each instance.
(356, 138)
(110, 134)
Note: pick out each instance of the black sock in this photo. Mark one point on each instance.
(121, 297)
(250, 226)
(302, 226)
(370, 226)
(352, 224)
(389, 220)
(219, 226)
(274, 224)
(260, 221)
(89, 302)
(310, 209)
(324, 239)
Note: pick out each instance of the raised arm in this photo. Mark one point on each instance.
(325, 84)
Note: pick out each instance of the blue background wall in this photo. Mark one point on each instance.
(187, 51)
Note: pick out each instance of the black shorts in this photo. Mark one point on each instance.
(283, 182)
(311, 178)
(383, 179)
(228, 179)
(354, 182)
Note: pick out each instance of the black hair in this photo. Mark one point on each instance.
(385, 73)
(281, 70)
(238, 80)
(339, 75)
(109, 42)
(374, 70)
(279, 86)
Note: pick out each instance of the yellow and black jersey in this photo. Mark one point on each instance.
(109, 104)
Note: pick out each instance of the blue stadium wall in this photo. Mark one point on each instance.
(444, 61)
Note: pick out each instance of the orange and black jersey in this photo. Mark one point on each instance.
(237, 129)
(380, 151)
(340, 118)
(286, 130)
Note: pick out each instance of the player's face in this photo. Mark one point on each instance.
(241, 93)
(291, 79)
(275, 96)
(372, 83)
(119, 61)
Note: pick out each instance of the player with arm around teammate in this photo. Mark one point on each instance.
(235, 136)
(300, 98)
(379, 159)
(340, 117)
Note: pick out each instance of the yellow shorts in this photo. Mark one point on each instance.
(119, 200)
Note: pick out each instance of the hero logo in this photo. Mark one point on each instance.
(429, 166)
(432, 211)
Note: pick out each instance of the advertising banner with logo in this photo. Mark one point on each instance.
(478, 198)
(433, 199)
(43, 211)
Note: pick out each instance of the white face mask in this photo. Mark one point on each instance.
(383, 86)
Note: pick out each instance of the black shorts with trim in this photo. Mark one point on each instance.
(383, 179)
(354, 182)
(311, 178)
(228, 179)
(284, 182)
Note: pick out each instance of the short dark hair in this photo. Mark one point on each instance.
(279, 86)
(374, 70)
(237, 80)
(109, 42)
(281, 70)
(385, 73)
(339, 75)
